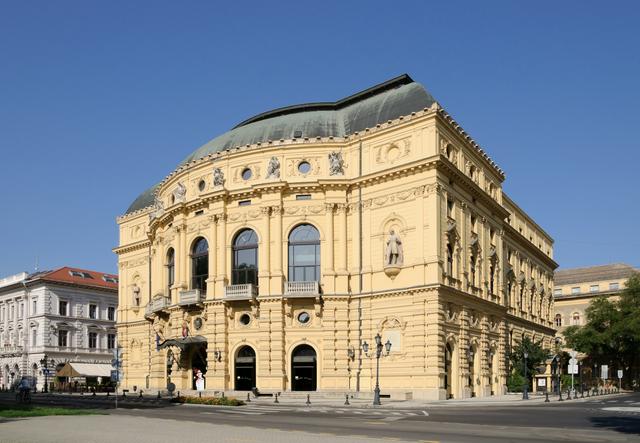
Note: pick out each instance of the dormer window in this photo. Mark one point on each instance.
(79, 274)
(110, 279)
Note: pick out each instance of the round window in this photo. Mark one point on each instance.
(197, 323)
(304, 317)
(245, 319)
(201, 185)
(246, 174)
(304, 167)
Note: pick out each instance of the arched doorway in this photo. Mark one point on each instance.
(303, 369)
(448, 373)
(198, 362)
(245, 369)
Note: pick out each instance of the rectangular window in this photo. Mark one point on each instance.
(594, 288)
(93, 310)
(303, 197)
(614, 286)
(93, 340)
(34, 311)
(62, 338)
(34, 337)
(12, 313)
(111, 313)
(449, 208)
(62, 307)
(21, 310)
(111, 341)
(244, 203)
(557, 291)
(575, 290)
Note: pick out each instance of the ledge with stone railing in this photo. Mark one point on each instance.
(191, 297)
(241, 292)
(301, 289)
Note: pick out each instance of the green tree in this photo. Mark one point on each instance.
(536, 355)
(611, 334)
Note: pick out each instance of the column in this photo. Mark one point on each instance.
(213, 257)
(327, 251)
(264, 254)
(277, 274)
(341, 280)
(183, 256)
(221, 275)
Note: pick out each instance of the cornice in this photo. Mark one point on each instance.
(516, 237)
(132, 247)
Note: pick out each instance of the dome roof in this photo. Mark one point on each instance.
(378, 104)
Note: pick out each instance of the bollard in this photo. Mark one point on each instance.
(107, 393)
(581, 392)
(140, 394)
(276, 400)
(546, 397)
(346, 399)
(94, 393)
(588, 393)
(568, 394)
(308, 400)
(199, 394)
(248, 398)
(560, 395)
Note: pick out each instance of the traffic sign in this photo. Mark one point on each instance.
(572, 369)
(115, 375)
(115, 362)
(619, 373)
(604, 372)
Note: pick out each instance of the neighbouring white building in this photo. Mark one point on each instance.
(67, 314)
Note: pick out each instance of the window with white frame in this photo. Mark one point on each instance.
(111, 313)
(21, 310)
(557, 291)
(575, 290)
(34, 309)
(576, 318)
(63, 338)
(614, 286)
(93, 340)
(111, 341)
(63, 307)
(594, 288)
(558, 320)
(34, 336)
(93, 311)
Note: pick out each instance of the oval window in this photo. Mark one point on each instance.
(304, 317)
(245, 319)
(304, 167)
(201, 185)
(246, 174)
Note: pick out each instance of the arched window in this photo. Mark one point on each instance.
(200, 264)
(245, 258)
(171, 269)
(558, 320)
(449, 259)
(576, 318)
(304, 254)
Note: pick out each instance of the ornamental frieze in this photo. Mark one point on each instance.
(392, 152)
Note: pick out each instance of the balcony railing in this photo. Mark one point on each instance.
(241, 292)
(6, 350)
(157, 304)
(301, 289)
(191, 297)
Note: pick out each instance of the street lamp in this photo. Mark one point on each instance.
(379, 347)
(45, 362)
(525, 392)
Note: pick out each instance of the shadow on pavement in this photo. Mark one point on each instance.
(627, 425)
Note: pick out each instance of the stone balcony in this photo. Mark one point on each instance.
(156, 305)
(240, 292)
(10, 350)
(191, 297)
(301, 289)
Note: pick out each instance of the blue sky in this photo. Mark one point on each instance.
(100, 100)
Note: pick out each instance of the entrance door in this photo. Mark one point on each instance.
(198, 362)
(245, 369)
(303, 369)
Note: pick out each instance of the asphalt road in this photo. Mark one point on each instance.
(608, 418)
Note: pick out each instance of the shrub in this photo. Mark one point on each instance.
(515, 382)
(213, 401)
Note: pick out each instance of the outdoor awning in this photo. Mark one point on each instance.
(182, 343)
(84, 370)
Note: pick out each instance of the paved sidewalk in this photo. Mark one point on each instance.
(122, 429)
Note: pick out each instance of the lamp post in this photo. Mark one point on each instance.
(45, 362)
(525, 392)
(379, 347)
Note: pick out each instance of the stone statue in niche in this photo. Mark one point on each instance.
(136, 296)
(218, 177)
(180, 193)
(336, 164)
(394, 254)
(273, 168)
(157, 209)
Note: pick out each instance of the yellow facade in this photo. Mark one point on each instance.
(473, 273)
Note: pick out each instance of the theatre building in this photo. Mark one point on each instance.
(271, 254)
